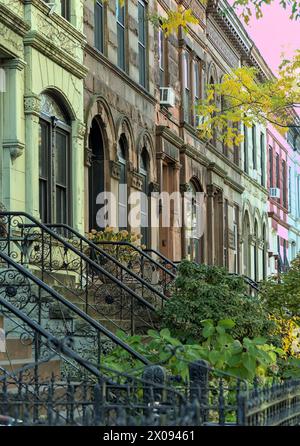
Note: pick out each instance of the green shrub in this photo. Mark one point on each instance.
(208, 292)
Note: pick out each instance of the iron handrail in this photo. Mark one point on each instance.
(108, 256)
(159, 254)
(79, 254)
(95, 324)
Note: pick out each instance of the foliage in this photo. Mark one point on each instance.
(122, 253)
(243, 359)
(243, 98)
(283, 298)
(286, 335)
(247, 5)
(209, 292)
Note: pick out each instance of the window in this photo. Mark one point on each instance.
(99, 26)
(298, 195)
(271, 166)
(284, 184)
(277, 171)
(246, 165)
(120, 15)
(162, 58)
(142, 42)
(65, 9)
(254, 151)
(122, 212)
(54, 163)
(226, 235)
(262, 159)
(236, 238)
(187, 86)
(197, 84)
(290, 189)
(144, 171)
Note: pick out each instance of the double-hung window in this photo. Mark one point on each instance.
(120, 15)
(99, 26)
(142, 43)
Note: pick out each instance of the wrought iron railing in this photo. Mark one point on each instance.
(108, 292)
(56, 315)
(138, 266)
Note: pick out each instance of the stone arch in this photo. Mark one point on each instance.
(99, 109)
(212, 73)
(145, 141)
(197, 183)
(257, 218)
(62, 100)
(247, 208)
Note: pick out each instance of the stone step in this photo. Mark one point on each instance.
(67, 278)
(45, 370)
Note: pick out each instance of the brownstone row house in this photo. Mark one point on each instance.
(141, 122)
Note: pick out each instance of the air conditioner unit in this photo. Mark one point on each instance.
(167, 96)
(274, 192)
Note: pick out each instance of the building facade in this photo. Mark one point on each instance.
(41, 120)
(100, 107)
(293, 139)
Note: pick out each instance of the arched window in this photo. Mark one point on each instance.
(54, 162)
(194, 240)
(122, 202)
(264, 259)
(246, 245)
(144, 171)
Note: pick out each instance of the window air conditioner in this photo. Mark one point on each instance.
(167, 96)
(274, 192)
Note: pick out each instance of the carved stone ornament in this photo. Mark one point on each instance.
(186, 187)
(136, 180)
(115, 170)
(16, 148)
(88, 153)
(154, 187)
(32, 105)
(81, 130)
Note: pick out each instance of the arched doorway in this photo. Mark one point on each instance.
(144, 171)
(96, 171)
(55, 176)
(122, 199)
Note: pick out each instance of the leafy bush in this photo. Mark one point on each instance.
(283, 298)
(208, 292)
(244, 359)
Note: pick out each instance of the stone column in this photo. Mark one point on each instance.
(32, 105)
(78, 183)
(13, 136)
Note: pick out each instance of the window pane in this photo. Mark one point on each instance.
(142, 24)
(65, 9)
(44, 155)
(121, 46)
(120, 12)
(99, 28)
(142, 66)
(61, 158)
(61, 205)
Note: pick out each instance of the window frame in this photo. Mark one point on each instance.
(143, 46)
(121, 30)
(101, 31)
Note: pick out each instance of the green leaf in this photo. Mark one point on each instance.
(226, 323)
(259, 341)
(249, 362)
(165, 332)
(208, 331)
(214, 357)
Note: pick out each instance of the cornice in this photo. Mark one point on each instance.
(189, 150)
(234, 185)
(256, 184)
(58, 20)
(104, 61)
(13, 21)
(54, 53)
(278, 220)
(213, 167)
(167, 134)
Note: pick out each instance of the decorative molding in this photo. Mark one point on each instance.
(234, 185)
(186, 187)
(14, 64)
(88, 154)
(136, 180)
(16, 148)
(168, 135)
(115, 170)
(222, 46)
(213, 167)
(32, 104)
(154, 187)
(59, 56)
(13, 21)
(81, 130)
